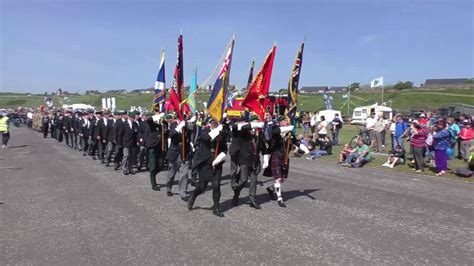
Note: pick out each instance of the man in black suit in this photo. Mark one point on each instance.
(234, 149)
(84, 134)
(252, 144)
(121, 118)
(67, 125)
(130, 144)
(152, 138)
(95, 134)
(77, 128)
(103, 133)
(142, 153)
(208, 162)
(111, 139)
(173, 155)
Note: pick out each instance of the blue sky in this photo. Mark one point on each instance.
(79, 45)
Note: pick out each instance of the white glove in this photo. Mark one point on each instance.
(240, 125)
(180, 126)
(214, 133)
(266, 159)
(224, 115)
(156, 118)
(193, 119)
(169, 143)
(256, 125)
(192, 146)
(219, 127)
(286, 129)
(304, 148)
(218, 159)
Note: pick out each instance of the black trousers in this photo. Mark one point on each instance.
(118, 155)
(85, 145)
(53, 131)
(247, 172)
(419, 156)
(45, 130)
(201, 186)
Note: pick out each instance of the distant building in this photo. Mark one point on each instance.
(457, 82)
(89, 92)
(313, 89)
(117, 91)
(143, 91)
(323, 89)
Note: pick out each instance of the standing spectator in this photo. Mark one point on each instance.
(386, 127)
(4, 129)
(306, 124)
(431, 120)
(379, 126)
(322, 127)
(369, 127)
(422, 120)
(391, 127)
(29, 119)
(441, 143)
(418, 144)
(401, 128)
(454, 130)
(336, 126)
(465, 137)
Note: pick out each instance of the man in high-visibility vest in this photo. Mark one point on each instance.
(4, 129)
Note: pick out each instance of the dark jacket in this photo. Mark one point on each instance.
(103, 129)
(111, 137)
(207, 151)
(119, 131)
(86, 129)
(130, 135)
(174, 150)
(251, 146)
(151, 133)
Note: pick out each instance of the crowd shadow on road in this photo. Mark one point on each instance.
(264, 198)
(17, 146)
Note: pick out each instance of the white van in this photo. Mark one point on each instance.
(360, 114)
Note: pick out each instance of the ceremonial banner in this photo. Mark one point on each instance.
(249, 82)
(191, 101)
(257, 92)
(159, 96)
(218, 96)
(292, 97)
(175, 95)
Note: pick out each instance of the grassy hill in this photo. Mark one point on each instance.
(402, 101)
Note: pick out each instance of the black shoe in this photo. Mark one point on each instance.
(84, 154)
(272, 194)
(217, 212)
(254, 205)
(185, 198)
(281, 204)
(125, 172)
(156, 188)
(102, 161)
(235, 200)
(93, 158)
(169, 193)
(132, 172)
(190, 203)
(116, 168)
(107, 164)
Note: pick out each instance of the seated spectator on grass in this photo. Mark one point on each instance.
(303, 147)
(345, 152)
(325, 148)
(396, 157)
(359, 157)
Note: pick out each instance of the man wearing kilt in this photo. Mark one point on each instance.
(280, 141)
(208, 161)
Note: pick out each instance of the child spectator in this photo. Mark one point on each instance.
(396, 157)
(345, 152)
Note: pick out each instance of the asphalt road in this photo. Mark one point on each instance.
(61, 208)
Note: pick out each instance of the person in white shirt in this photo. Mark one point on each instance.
(322, 127)
(369, 128)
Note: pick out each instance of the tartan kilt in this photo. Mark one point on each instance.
(277, 168)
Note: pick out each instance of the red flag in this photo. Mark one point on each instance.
(257, 92)
(175, 95)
